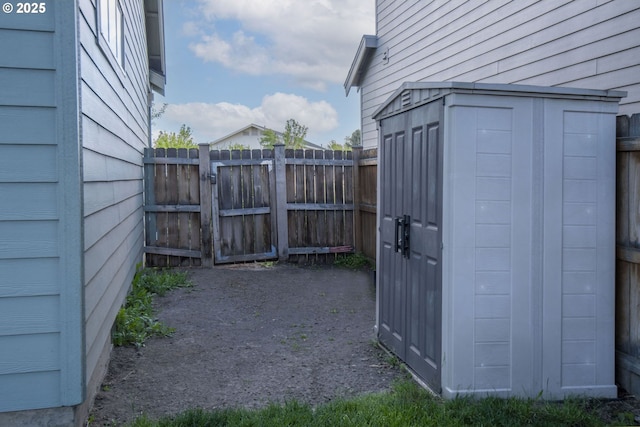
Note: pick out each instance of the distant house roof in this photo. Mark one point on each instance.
(155, 44)
(261, 129)
(367, 47)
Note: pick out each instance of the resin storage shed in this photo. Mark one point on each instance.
(496, 248)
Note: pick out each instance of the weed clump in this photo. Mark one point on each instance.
(135, 321)
(355, 261)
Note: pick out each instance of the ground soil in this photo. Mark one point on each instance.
(248, 335)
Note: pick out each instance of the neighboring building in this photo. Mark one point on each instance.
(249, 137)
(76, 79)
(583, 44)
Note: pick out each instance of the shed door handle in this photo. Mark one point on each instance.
(403, 235)
(399, 234)
(406, 236)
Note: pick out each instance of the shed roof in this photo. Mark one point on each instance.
(412, 94)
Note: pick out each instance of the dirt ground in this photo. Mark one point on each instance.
(247, 335)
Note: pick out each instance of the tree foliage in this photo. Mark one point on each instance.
(294, 134)
(157, 112)
(354, 140)
(182, 139)
(333, 145)
(350, 141)
(292, 137)
(269, 139)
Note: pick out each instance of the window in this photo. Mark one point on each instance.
(111, 33)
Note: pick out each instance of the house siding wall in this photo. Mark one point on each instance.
(251, 141)
(592, 44)
(114, 133)
(41, 354)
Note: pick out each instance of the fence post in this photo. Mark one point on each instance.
(150, 229)
(357, 221)
(281, 202)
(205, 205)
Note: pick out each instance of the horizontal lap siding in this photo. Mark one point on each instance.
(591, 44)
(114, 134)
(39, 334)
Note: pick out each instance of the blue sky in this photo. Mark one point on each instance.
(235, 62)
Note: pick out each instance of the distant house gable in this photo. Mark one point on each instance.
(249, 136)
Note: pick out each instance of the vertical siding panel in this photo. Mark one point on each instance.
(114, 112)
(563, 43)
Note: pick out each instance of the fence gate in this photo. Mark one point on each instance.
(243, 190)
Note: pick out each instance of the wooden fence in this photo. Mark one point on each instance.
(206, 206)
(366, 195)
(628, 253)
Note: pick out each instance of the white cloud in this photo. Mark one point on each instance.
(311, 40)
(212, 121)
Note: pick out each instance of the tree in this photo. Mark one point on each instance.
(294, 134)
(269, 139)
(170, 140)
(354, 140)
(292, 137)
(156, 112)
(333, 145)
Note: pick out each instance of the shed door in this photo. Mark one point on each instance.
(410, 245)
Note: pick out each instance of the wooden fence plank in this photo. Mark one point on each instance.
(194, 217)
(160, 189)
(245, 194)
(628, 253)
(330, 223)
(150, 199)
(357, 217)
(321, 199)
(215, 203)
(235, 223)
(310, 217)
(183, 175)
(339, 196)
(172, 198)
(281, 202)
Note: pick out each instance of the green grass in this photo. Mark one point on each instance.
(135, 321)
(406, 405)
(354, 261)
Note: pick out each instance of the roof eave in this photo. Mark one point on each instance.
(154, 14)
(367, 46)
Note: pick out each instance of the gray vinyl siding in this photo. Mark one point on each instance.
(41, 351)
(591, 44)
(114, 134)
